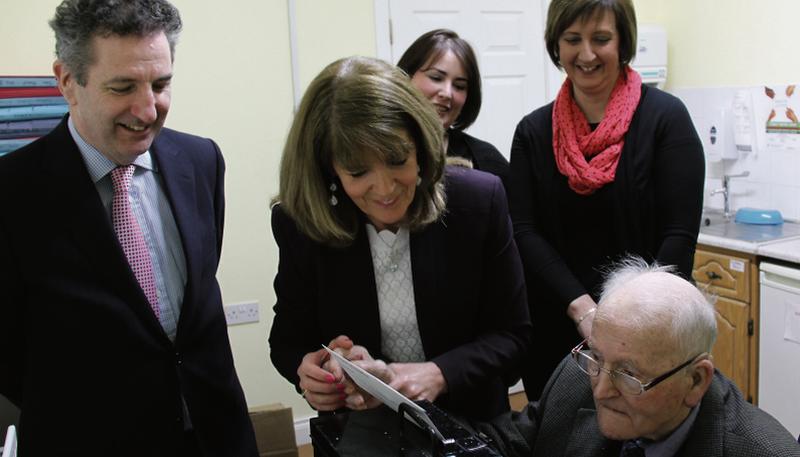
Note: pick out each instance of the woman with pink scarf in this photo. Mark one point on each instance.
(611, 167)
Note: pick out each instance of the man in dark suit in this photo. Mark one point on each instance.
(643, 384)
(114, 340)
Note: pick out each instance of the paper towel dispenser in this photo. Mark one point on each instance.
(651, 55)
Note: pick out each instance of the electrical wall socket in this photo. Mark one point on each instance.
(241, 313)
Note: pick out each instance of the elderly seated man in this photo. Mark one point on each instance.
(643, 384)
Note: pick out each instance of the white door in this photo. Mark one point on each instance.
(507, 36)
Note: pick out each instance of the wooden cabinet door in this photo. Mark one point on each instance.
(722, 274)
(732, 350)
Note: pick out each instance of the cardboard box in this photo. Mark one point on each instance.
(274, 427)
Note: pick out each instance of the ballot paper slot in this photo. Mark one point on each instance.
(444, 436)
(447, 437)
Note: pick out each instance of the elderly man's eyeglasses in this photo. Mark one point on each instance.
(624, 382)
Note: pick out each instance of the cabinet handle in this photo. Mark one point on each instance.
(712, 275)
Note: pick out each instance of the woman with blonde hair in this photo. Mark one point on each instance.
(384, 247)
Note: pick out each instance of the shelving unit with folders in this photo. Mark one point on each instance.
(30, 107)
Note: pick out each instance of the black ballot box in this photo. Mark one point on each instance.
(383, 432)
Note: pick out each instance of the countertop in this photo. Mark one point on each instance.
(727, 243)
(786, 249)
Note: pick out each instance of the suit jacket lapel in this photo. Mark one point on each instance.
(428, 269)
(586, 440)
(179, 184)
(77, 201)
(350, 274)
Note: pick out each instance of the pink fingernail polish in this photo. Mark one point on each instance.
(340, 387)
(331, 378)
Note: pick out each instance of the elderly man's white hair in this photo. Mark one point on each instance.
(641, 296)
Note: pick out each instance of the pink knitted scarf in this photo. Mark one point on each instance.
(589, 158)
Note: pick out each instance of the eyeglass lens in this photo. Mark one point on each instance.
(623, 382)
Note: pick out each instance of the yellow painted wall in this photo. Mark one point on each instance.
(728, 42)
(648, 11)
(28, 44)
(329, 30)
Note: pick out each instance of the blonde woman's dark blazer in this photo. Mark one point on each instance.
(469, 292)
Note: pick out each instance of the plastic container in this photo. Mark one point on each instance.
(759, 216)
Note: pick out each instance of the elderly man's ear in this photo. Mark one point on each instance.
(702, 375)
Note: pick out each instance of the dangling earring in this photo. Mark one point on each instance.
(419, 178)
(334, 201)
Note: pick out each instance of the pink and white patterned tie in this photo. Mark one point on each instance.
(130, 235)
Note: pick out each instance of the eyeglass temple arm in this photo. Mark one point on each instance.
(671, 372)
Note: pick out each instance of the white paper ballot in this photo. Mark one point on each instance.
(377, 388)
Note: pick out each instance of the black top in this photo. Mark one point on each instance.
(483, 155)
(652, 209)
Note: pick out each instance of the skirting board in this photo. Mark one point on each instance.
(302, 430)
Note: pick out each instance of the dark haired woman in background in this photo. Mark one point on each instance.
(610, 167)
(443, 66)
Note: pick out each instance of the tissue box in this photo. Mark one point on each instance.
(274, 429)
